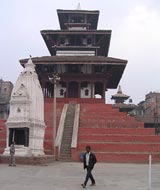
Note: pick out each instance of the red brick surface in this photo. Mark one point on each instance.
(113, 136)
(28, 160)
(2, 135)
(48, 113)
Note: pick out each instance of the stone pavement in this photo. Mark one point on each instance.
(69, 176)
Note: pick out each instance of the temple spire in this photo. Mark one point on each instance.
(78, 6)
(119, 97)
(119, 90)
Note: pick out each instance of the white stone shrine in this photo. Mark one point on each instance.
(25, 125)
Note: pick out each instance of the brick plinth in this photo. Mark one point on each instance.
(2, 135)
(114, 136)
(28, 160)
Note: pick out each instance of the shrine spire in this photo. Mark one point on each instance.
(78, 6)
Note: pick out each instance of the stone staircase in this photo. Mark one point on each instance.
(65, 151)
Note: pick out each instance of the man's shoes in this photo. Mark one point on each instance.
(12, 165)
(83, 185)
(93, 184)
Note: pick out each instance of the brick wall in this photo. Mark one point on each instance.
(2, 135)
(114, 136)
(48, 115)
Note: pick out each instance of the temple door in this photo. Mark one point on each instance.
(73, 90)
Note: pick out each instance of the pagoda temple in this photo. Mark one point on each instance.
(79, 54)
(120, 99)
(74, 117)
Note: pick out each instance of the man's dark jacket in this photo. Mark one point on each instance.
(92, 160)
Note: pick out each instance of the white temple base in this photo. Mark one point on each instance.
(23, 151)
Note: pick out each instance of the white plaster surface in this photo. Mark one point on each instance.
(27, 110)
(75, 127)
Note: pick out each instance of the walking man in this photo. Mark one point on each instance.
(12, 153)
(89, 160)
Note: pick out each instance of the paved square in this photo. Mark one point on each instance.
(69, 176)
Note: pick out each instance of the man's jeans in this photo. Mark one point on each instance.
(12, 160)
(89, 175)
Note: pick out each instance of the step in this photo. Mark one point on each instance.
(118, 138)
(63, 154)
(124, 131)
(110, 125)
(65, 151)
(121, 147)
(65, 147)
(65, 159)
(127, 157)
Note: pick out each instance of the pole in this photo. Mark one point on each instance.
(54, 80)
(13, 135)
(150, 173)
(54, 118)
(156, 122)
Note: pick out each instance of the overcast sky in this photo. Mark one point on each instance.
(135, 26)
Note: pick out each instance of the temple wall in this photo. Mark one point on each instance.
(83, 92)
(84, 68)
(58, 91)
